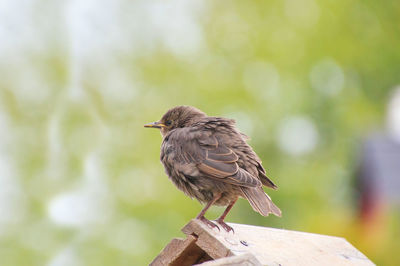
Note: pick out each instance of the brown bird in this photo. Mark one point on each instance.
(208, 159)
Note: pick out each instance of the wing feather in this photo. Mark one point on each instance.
(228, 157)
(211, 158)
(221, 163)
(218, 169)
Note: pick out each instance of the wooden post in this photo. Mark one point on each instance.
(254, 245)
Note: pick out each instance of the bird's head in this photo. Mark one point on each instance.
(177, 117)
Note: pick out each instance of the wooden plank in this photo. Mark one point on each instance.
(242, 260)
(206, 239)
(181, 252)
(275, 246)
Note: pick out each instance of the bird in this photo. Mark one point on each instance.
(209, 159)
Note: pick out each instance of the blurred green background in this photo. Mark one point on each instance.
(80, 178)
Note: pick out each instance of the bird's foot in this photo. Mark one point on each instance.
(208, 222)
(225, 226)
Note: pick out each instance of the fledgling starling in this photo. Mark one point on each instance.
(208, 159)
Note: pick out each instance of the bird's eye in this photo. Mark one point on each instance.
(168, 123)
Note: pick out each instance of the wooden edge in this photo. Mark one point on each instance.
(247, 259)
(206, 239)
(173, 250)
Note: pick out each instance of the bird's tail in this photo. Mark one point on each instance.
(260, 201)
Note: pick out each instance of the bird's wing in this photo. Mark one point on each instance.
(199, 154)
(263, 177)
(220, 162)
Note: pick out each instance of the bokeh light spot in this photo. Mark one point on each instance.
(327, 77)
(297, 135)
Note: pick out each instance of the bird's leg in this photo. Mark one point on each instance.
(201, 217)
(220, 220)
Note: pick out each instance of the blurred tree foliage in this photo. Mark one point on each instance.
(82, 181)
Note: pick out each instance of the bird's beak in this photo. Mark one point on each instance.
(155, 125)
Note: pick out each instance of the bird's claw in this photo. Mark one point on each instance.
(225, 226)
(209, 223)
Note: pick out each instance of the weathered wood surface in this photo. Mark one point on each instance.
(247, 259)
(257, 246)
(181, 252)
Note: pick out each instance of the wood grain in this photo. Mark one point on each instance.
(255, 245)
